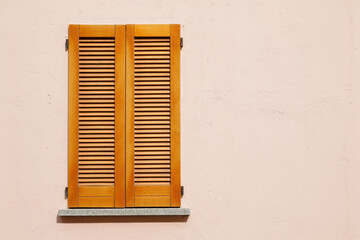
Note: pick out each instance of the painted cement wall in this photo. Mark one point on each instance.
(270, 118)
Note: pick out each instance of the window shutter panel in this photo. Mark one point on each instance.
(96, 95)
(153, 116)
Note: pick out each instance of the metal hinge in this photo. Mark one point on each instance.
(66, 44)
(66, 192)
(181, 43)
(182, 191)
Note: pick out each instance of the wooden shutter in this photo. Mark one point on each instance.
(96, 116)
(153, 116)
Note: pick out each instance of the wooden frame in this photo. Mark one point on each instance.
(175, 114)
(124, 193)
(73, 127)
(130, 33)
(120, 113)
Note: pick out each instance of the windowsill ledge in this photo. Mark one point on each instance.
(101, 212)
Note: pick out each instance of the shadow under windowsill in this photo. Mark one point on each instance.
(122, 219)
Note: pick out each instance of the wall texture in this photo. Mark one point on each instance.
(270, 118)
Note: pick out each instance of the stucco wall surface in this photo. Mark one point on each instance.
(270, 118)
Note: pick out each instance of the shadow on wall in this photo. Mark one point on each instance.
(124, 219)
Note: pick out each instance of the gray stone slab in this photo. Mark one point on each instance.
(124, 212)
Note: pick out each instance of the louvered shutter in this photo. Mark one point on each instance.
(153, 115)
(96, 116)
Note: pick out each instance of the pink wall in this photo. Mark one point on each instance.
(270, 118)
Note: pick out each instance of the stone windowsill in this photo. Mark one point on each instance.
(101, 212)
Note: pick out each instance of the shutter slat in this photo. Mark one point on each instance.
(97, 158)
(157, 74)
(96, 57)
(84, 48)
(83, 83)
(151, 98)
(143, 57)
(96, 123)
(148, 39)
(98, 101)
(96, 180)
(96, 118)
(97, 184)
(153, 175)
(152, 167)
(146, 44)
(152, 131)
(154, 65)
(85, 108)
(96, 171)
(96, 131)
(97, 70)
(94, 113)
(110, 163)
(150, 157)
(153, 170)
(147, 88)
(139, 118)
(152, 84)
(159, 179)
(150, 144)
(94, 40)
(94, 53)
(145, 135)
(97, 44)
(152, 101)
(96, 61)
(139, 48)
(106, 90)
(153, 109)
(96, 140)
(150, 78)
(86, 149)
(96, 145)
(148, 70)
(96, 166)
(89, 153)
(100, 175)
(151, 113)
(97, 79)
(152, 122)
(96, 66)
(152, 152)
(96, 126)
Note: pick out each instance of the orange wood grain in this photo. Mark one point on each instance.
(130, 30)
(154, 190)
(99, 191)
(175, 115)
(152, 201)
(96, 202)
(120, 116)
(149, 30)
(73, 127)
(97, 31)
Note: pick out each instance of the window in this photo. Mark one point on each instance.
(124, 116)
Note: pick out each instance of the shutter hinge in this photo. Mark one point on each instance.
(182, 191)
(66, 44)
(66, 192)
(181, 43)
